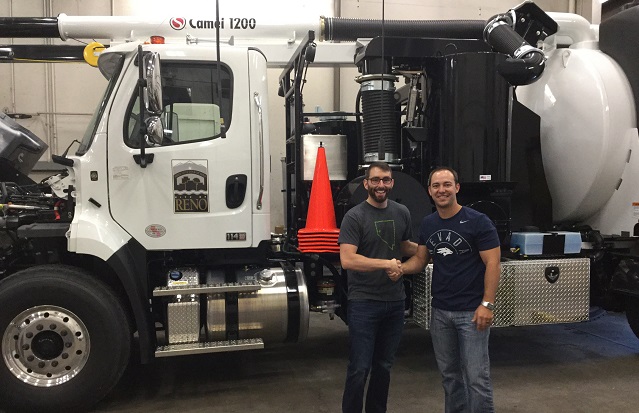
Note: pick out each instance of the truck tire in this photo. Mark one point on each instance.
(632, 314)
(65, 337)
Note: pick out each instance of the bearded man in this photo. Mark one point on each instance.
(373, 238)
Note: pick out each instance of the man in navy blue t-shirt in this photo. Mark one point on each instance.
(464, 246)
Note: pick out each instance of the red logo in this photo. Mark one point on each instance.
(177, 23)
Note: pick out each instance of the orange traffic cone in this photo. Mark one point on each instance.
(320, 234)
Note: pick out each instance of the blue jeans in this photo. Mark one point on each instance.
(375, 329)
(461, 352)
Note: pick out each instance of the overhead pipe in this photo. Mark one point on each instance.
(336, 29)
(29, 27)
(331, 28)
(347, 29)
(525, 65)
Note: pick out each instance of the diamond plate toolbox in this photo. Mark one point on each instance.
(543, 292)
(183, 312)
(183, 320)
(421, 298)
(530, 292)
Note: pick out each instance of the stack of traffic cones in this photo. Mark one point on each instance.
(320, 234)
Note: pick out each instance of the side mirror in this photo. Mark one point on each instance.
(153, 90)
(154, 130)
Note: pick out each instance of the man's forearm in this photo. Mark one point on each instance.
(414, 265)
(408, 248)
(491, 281)
(417, 262)
(360, 263)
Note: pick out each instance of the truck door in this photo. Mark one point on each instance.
(197, 192)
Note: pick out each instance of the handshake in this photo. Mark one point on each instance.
(394, 269)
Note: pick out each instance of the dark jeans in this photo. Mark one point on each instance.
(461, 352)
(375, 329)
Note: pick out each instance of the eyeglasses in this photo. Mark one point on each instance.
(376, 180)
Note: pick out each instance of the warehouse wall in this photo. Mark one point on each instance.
(59, 98)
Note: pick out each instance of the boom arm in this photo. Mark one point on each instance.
(277, 40)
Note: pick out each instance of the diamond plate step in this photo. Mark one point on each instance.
(209, 347)
(208, 288)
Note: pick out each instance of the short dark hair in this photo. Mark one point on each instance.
(444, 168)
(380, 165)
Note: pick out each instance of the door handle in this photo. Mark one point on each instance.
(235, 190)
(258, 102)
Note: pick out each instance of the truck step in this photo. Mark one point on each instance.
(209, 347)
(208, 289)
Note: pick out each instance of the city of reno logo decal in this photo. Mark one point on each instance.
(177, 23)
(190, 186)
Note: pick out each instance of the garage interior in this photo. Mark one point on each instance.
(540, 362)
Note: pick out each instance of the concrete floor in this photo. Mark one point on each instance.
(587, 367)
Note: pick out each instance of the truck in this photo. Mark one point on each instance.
(155, 238)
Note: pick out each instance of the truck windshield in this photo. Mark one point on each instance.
(97, 114)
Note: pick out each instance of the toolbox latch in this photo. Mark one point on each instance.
(552, 274)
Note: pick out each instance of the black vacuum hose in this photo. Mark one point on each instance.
(526, 64)
(343, 29)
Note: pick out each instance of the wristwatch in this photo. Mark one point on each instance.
(488, 305)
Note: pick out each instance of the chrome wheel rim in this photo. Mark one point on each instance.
(45, 346)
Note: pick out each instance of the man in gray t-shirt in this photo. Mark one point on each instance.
(373, 238)
(377, 233)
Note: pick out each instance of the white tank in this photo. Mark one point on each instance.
(587, 124)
